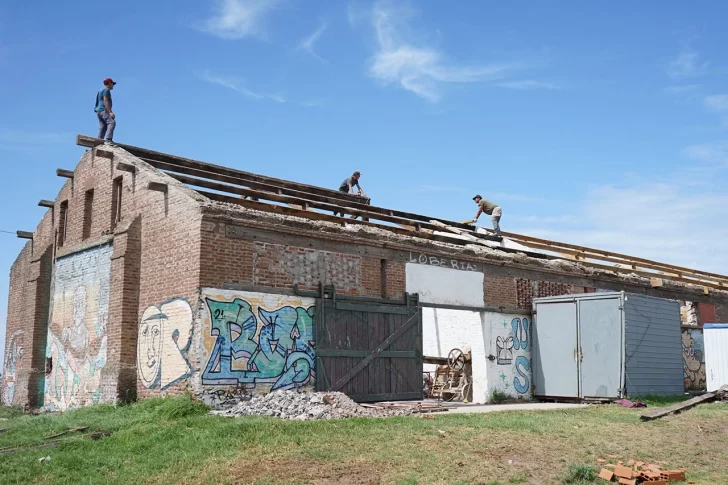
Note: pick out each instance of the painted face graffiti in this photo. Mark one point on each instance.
(13, 356)
(165, 334)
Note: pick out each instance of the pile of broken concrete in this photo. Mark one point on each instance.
(306, 406)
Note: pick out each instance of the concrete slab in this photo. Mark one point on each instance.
(492, 408)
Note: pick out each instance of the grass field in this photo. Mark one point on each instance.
(170, 441)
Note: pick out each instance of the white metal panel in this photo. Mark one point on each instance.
(715, 340)
(445, 286)
(555, 372)
(600, 338)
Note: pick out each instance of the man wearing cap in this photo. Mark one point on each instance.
(491, 209)
(107, 118)
(348, 184)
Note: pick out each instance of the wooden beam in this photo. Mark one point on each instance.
(158, 187)
(683, 406)
(64, 173)
(24, 234)
(47, 203)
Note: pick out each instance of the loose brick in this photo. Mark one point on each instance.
(627, 481)
(623, 471)
(606, 475)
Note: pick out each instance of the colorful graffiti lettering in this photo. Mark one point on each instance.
(522, 384)
(513, 355)
(693, 359)
(254, 346)
(165, 335)
(77, 342)
(13, 356)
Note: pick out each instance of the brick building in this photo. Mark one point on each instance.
(134, 284)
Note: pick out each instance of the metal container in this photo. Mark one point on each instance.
(715, 341)
(606, 346)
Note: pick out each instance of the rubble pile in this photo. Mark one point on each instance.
(307, 405)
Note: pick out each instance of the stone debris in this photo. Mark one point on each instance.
(305, 406)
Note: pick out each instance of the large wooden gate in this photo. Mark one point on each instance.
(370, 350)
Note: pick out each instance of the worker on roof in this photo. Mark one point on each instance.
(347, 186)
(107, 118)
(491, 209)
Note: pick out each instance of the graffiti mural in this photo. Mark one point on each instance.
(165, 334)
(512, 337)
(693, 358)
(13, 356)
(77, 339)
(259, 342)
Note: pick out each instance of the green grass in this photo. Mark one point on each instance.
(577, 474)
(174, 440)
(498, 397)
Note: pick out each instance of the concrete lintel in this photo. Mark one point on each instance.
(24, 234)
(158, 187)
(64, 173)
(47, 203)
(126, 167)
(104, 153)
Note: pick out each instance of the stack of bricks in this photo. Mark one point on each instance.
(637, 472)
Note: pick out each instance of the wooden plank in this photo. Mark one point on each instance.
(681, 406)
(47, 203)
(345, 305)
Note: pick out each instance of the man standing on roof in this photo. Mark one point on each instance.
(107, 118)
(348, 185)
(491, 209)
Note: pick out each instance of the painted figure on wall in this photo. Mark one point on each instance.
(77, 341)
(693, 359)
(165, 335)
(263, 345)
(13, 356)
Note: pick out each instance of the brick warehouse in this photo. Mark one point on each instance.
(126, 288)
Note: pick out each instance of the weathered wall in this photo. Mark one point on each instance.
(77, 336)
(253, 343)
(510, 372)
(445, 286)
(693, 358)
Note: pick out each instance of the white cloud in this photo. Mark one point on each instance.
(713, 153)
(236, 85)
(238, 19)
(687, 64)
(421, 69)
(528, 84)
(308, 43)
(717, 103)
(663, 222)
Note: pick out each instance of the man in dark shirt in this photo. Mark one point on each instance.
(348, 185)
(107, 118)
(491, 209)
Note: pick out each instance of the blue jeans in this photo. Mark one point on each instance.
(106, 125)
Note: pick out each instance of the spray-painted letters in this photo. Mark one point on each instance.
(165, 334)
(77, 336)
(513, 354)
(259, 341)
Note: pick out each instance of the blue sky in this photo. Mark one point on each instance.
(592, 124)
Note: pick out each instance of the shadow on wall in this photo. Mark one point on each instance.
(257, 343)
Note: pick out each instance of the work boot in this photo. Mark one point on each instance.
(109, 143)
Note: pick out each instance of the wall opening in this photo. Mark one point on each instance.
(116, 202)
(63, 223)
(88, 210)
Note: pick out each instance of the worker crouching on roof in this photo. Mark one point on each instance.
(491, 209)
(347, 186)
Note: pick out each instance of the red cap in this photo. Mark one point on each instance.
(108, 80)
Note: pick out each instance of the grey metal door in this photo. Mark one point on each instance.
(555, 372)
(600, 337)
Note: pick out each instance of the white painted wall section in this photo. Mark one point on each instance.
(715, 342)
(510, 345)
(444, 330)
(445, 286)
